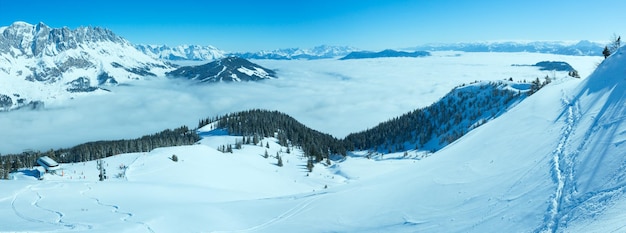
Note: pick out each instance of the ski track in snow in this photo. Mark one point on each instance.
(592, 203)
(59, 221)
(564, 201)
(562, 165)
(116, 209)
(18, 213)
(284, 216)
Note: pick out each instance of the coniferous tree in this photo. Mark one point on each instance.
(280, 161)
(309, 165)
(615, 43)
(606, 52)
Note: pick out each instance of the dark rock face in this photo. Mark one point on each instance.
(81, 84)
(5, 102)
(105, 79)
(230, 69)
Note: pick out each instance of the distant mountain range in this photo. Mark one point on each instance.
(229, 69)
(210, 53)
(183, 52)
(319, 52)
(580, 48)
(384, 53)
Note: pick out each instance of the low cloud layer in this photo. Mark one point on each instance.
(336, 97)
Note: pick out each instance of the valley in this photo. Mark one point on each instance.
(552, 161)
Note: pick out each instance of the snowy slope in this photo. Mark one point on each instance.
(198, 185)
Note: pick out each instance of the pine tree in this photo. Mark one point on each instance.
(615, 43)
(102, 171)
(280, 161)
(606, 52)
(255, 139)
(266, 155)
(309, 165)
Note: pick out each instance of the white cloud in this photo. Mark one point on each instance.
(336, 97)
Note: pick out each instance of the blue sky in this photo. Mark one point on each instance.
(240, 25)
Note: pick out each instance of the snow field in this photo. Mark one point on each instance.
(155, 191)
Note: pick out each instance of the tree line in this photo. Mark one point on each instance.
(100, 149)
(259, 123)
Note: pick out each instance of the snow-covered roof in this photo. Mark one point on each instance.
(48, 163)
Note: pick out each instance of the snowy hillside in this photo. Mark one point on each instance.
(182, 52)
(229, 69)
(39, 63)
(579, 48)
(464, 108)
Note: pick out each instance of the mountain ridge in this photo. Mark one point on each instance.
(579, 48)
(39, 63)
(384, 53)
(318, 52)
(183, 52)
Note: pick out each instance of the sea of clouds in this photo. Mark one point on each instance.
(332, 96)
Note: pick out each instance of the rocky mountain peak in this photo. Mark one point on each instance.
(42, 63)
(40, 39)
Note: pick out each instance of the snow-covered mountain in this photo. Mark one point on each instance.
(580, 48)
(318, 52)
(182, 52)
(39, 63)
(230, 69)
